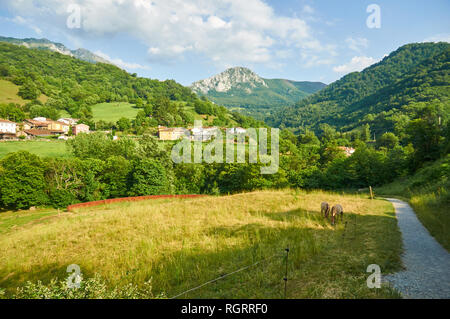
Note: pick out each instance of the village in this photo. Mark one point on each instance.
(194, 134)
(65, 128)
(41, 127)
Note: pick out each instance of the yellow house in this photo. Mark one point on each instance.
(42, 123)
(54, 125)
(171, 133)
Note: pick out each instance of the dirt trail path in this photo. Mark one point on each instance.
(427, 263)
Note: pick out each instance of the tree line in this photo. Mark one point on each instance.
(101, 167)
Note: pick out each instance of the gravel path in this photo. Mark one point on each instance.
(427, 262)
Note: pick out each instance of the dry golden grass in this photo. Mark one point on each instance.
(184, 242)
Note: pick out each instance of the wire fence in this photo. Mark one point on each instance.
(345, 235)
(238, 271)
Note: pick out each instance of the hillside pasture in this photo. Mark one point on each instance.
(8, 94)
(112, 112)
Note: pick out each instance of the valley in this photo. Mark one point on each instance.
(86, 130)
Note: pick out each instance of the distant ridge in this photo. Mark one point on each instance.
(45, 44)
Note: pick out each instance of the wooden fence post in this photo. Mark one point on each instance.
(371, 193)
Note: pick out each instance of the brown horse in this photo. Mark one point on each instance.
(324, 209)
(336, 210)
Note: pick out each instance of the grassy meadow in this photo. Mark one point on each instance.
(112, 112)
(41, 147)
(8, 94)
(181, 243)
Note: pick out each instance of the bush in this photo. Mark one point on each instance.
(91, 288)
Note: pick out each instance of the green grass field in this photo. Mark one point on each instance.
(45, 148)
(178, 244)
(8, 94)
(111, 112)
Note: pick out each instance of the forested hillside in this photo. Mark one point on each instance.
(45, 44)
(74, 86)
(384, 96)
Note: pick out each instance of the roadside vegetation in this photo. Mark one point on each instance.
(164, 247)
(428, 193)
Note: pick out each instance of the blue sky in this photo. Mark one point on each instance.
(188, 40)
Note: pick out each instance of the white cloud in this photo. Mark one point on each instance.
(308, 9)
(357, 63)
(225, 31)
(120, 63)
(439, 38)
(357, 44)
(22, 21)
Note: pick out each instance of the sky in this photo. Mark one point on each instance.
(189, 40)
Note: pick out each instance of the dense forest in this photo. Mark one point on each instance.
(384, 96)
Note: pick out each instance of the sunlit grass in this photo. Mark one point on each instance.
(43, 147)
(181, 243)
(8, 94)
(112, 112)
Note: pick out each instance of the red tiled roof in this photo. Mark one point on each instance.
(6, 121)
(37, 132)
(34, 122)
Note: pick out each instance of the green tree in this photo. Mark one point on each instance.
(425, 135)
(115, 176)
(4, 70)
(123, 124)
(148, 177)
(29, 91)
(22, 182)
(387, 140)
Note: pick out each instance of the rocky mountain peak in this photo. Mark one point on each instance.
(236, 77)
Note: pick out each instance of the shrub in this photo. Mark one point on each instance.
(91, 288)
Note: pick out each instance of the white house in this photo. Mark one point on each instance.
(236, 130)
(40, 119)
(203, 133)
(7, 126)
(68, 120)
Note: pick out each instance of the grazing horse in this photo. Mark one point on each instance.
(336, 210)
(324, 209)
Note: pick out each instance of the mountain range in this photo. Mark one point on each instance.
(44, 44)
(240, 87)
(383, 96)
